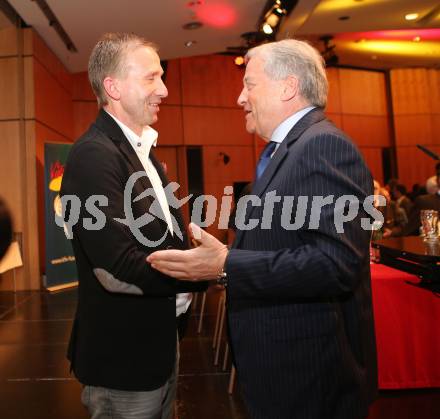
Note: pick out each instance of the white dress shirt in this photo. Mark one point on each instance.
(142, 146)
(283, 129)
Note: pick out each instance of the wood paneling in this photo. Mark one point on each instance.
(435, 124)
(373, 158)
(334, 94)
(414, 165)
(8, 42)
(413, 129)
(81, 89)
(240, 168)
(54, 109)
(410, 91)
(10, 179)
(367, 130)
(362, 92)
(212, 80)
(9, 88)
(210, 126)
(84, 113)
(50, 61)
(336, 118)
(29, 88)
(434, 89)
(169, 125)
(173, 83)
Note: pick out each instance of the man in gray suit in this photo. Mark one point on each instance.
(298, 294)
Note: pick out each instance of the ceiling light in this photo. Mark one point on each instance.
(411, 16)
(267, 29)
(239, 60)
(190, 43)
(417, 39)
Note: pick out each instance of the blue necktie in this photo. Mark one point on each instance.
(265, 158)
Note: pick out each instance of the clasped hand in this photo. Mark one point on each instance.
(198, 264)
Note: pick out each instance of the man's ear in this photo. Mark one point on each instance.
(111, 88)
(290, 88)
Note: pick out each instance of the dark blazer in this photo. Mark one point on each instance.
(299, 301)
(422, 202)
(126, 339)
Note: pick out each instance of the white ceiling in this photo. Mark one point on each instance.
(161, 22)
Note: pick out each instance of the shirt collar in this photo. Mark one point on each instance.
(140, 144)
(283, 129)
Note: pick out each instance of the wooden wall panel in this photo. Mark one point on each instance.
(434, 89)
(362, 92)
(410, 91)
(334, 94)
(212, 80)
(413, 129)
(29, 88)
(9, 88)
(10, 179)
(336, 118)
(240, 168)
(367, 130)
(373, 159)
(435, 128)
(210, 126)
(50, 61)
(81, 89)
(8, 42)
(173, 83)
(84, 113)
(414, 165)
(55, 109)
(169, 125)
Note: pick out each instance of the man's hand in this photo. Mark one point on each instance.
(199, 264)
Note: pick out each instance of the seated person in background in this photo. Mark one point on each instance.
(398, 193)
(416, 191)
(393, 216)
(431, 183)
(422, 202)
(5, 228)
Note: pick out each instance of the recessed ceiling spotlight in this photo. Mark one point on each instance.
(344, 17)
(417, 39)
(190, 43)
(411, 16)
(192, 25)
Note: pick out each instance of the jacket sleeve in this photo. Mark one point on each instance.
(112, 251)
(327, 263)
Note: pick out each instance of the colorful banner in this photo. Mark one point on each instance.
(60, 261)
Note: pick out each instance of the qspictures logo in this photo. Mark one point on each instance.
(297, 212)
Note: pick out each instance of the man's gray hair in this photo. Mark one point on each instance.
(291, 57)
(108, 59)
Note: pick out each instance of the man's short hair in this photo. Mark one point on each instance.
(108, 59)
(5, 228)
(291, 57)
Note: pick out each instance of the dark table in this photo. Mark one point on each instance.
(412, 255)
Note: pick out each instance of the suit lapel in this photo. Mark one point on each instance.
(260, 185)
(108, 125)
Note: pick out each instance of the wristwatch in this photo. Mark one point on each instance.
(222, 278)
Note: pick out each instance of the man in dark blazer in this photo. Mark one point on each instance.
(297, 277)
(123, 342)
